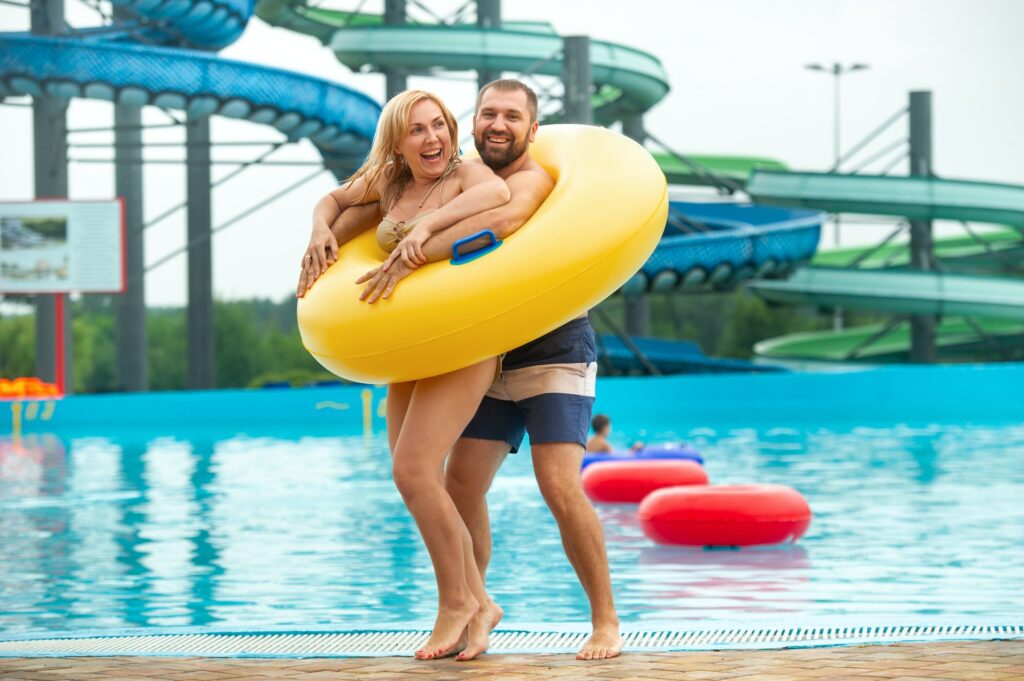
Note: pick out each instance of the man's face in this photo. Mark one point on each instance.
(502, 129)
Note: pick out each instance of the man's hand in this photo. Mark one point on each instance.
(321, 253)
(380, 283)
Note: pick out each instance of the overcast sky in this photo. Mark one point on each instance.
(738, 81)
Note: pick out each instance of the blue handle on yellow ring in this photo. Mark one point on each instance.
(463, 258)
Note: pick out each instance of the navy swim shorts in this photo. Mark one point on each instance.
(546, 388)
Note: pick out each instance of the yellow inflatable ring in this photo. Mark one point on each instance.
(601, 222)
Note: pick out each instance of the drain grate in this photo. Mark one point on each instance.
(385, 643)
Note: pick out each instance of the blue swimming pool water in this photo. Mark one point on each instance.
(303, 527)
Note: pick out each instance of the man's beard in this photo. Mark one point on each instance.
(496, 159)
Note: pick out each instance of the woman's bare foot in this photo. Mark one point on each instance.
(603, 644)
(480, 628)
(448, 629)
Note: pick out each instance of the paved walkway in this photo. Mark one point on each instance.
(957, 661)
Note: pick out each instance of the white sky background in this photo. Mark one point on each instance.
(738, 81)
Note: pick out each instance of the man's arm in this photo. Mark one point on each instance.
(481, 190)
(529, 189)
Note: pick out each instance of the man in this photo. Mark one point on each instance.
(546, 387)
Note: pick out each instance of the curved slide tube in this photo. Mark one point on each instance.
(338, 120)
(717, 245)
(627, 80)
(906, 292)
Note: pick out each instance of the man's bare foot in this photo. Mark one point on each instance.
(603, 644)
(479, 631)
(448, 629)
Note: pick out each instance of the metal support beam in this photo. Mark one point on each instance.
(922, 249)
(578, 79)
(633, 128)
(50, 146)
(199, 320)
(132, 370)
(488, 17)
(638, 307)
(396, 79)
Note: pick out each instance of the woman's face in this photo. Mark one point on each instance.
(428, 145)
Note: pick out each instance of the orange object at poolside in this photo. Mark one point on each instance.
(27, 387)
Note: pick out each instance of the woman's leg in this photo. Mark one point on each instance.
(397, 403)
(439, 409)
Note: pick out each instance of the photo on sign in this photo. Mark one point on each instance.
(34, 248)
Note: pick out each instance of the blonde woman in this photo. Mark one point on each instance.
(414, 171)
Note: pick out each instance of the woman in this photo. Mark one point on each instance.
(414, 171)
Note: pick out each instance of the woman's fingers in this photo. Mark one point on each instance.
(408, 261)
(319, 260)
(368, 275)
(378, 289)
(389, 287)
(371, 278)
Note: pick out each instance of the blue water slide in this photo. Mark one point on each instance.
(718, 245)
(126, 67)
(670, 357)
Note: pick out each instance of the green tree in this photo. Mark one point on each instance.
(165, 329)
(753, 320)
(17, 346)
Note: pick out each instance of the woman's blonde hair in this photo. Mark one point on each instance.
(392, 127)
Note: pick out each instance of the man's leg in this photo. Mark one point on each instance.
(471, 468)
(557, 466)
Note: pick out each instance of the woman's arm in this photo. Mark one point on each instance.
(352, 222)
(482, 190)
(322, 250)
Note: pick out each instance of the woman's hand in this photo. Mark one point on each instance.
(410, 249)
(321, 253)
(380, 282)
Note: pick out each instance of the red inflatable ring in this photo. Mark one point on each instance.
(628, 482)
(727, 515)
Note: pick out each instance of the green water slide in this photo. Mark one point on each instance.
(958, 339)
(878, 279)
(993, 252)
(628, 81)
(702, 170)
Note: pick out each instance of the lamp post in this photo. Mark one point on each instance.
(837, 70)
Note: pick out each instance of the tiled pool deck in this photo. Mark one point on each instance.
(956, 661)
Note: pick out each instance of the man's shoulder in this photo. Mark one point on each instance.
(531, 166)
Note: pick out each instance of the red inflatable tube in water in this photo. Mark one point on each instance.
(726, 515)
(628, 482)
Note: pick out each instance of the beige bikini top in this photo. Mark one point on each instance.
(390, 232)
